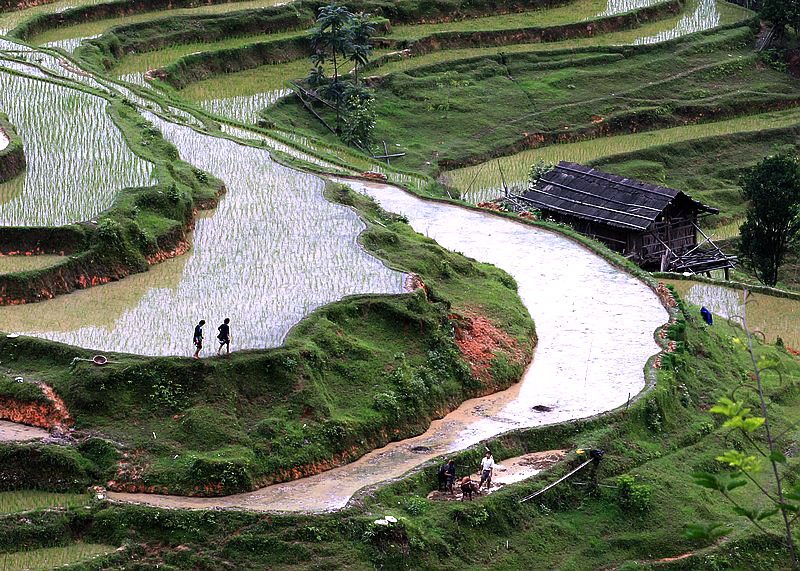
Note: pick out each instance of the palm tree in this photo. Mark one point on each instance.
(332, 33)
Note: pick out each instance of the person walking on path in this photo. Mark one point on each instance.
(224, 337)
(198, 338)
(487, 468)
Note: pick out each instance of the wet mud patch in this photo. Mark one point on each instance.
(509, 471)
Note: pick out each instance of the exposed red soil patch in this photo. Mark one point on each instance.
(480, 341)
(48, 414)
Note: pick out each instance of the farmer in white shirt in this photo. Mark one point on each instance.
(487, 467)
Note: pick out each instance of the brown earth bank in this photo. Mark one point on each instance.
(49, 413)
(12, 5)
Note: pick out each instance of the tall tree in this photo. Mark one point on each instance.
(332, 34)
(782, 13)
(361, 31)
(773, 217)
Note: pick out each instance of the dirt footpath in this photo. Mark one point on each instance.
(13, 432)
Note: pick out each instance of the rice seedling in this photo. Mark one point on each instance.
(77, 159)
(244, 109)
(272, 252)
(12, 264)
(53, 557)
(484, 181)
(704, 17)
(249, 82)
(571, 12)
(95, 27)
(773, 316)
(10, 20)
(26, 500)
(728, 14)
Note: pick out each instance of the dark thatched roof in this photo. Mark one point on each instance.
(587, 193)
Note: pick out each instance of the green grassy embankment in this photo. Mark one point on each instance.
(472, 108)
(351, 377)
(658, 441)
(12, 155)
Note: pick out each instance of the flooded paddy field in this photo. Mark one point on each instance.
(595, 325)
(771, 315)
(77, 159)
(272, 252)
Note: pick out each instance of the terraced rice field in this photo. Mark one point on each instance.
(95, 27)
(773, 316)
(13, 264)
(27, 500)
(272, 252)
(484, 181)
(723, 13)
(53, 557)
(10, 20)
(77, 158)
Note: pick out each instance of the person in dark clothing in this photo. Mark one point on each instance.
(198, 338)
(442, 475)
(706, 315)
(224, 336)
(451, 475)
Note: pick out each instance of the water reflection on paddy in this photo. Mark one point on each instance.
(272, 252)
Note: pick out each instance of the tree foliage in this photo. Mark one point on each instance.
(341, 36)
(782, 13)
(760, 463)
(773, 217)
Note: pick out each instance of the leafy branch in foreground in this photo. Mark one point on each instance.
(745, 468)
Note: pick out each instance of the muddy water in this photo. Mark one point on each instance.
(595, 327)
(272, 252)
(13, 432)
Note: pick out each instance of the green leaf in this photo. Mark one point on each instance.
(750, 514)
(722, 482)
(729, 408)
(739, 460)
(789, 507)
(778, 457)
(745, 424)
(765, 513)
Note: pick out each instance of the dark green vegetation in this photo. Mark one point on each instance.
(656, 444)
(351, 377)
(12, 157)
(772, 190)
(472, 108)
(142, 222)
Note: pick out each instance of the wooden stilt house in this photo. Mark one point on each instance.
(655, 226)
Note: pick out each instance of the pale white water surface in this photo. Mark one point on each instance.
(595, 325)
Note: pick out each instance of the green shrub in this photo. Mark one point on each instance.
(632, 496)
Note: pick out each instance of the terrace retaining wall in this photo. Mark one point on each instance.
(454, 40)
(12, 158)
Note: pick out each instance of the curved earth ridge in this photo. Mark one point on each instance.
(595, 325)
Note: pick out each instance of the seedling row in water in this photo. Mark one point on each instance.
(77, 160)
(272, 252)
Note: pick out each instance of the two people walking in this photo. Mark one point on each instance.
(223, 336)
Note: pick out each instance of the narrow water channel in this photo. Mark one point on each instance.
(595, 326)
